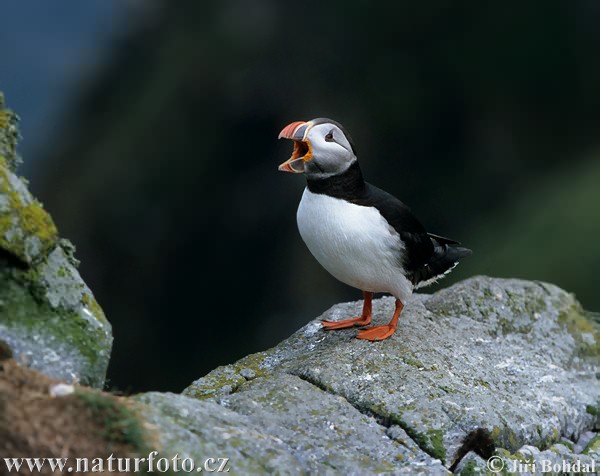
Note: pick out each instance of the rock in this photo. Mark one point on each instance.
(558, 459)
(49, 319)
(488, 368)
(509, 361)
(61, 390)
(471, 464)
(288, 425)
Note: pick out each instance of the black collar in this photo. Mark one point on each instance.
(347, 185)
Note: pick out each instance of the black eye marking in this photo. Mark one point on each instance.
(329, 137)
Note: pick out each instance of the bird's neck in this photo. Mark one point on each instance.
(349, 183)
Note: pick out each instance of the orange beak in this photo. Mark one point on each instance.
(302, 151)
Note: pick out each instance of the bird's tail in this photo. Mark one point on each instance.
(445, 257)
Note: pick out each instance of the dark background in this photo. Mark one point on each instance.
(150, 135)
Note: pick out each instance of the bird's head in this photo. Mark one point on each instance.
(321, 148)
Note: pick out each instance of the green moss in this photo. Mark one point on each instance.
(5, 118)
(504, 453)
(513, 439)
(23, 221)
(524, 306)
(119, 424)
(550, 440)
(505, 438)
(23, 311)
(436, 438)
(555, 436)
(227, 379)
(448, 389)
(482, 383)
(582, 329)
(63, 272)
(470, 469)
(593, 409)
(413, 362)
(91, 303)
(36, 222)
(568, 444)
(383, 467)
(253, 362)
(431, 441)
(9, 135)
(593, 446)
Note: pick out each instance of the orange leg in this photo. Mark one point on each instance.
(382, 332)
(362, 320)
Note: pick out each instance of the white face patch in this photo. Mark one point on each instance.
(331, 152)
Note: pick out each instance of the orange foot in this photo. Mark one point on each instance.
(376, 333)
(363, 320)
(382, 332)
(345, 324)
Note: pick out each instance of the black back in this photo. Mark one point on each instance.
(427, 255)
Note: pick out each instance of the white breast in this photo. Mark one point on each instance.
(354, 243)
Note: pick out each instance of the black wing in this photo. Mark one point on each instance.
(427, 255)
(442, 240)
(419, 247)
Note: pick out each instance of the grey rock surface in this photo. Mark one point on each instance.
(513, 359)
(285, 426)
(49, 318)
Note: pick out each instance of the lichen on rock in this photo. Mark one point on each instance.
(26, 230)
(487, 367)
(9, 135)
(515, 360)
(49, 318)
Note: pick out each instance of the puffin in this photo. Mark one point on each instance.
(362, 235)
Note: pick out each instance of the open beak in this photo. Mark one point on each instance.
(302, 152)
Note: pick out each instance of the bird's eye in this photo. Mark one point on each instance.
(329, 137)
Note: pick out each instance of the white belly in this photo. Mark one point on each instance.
(354, 243)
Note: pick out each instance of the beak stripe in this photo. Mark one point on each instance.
(289, 131)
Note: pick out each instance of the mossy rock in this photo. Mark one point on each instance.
(49, 318)
(9, 135)
(327, 403)
(26, 231)
(514, 360)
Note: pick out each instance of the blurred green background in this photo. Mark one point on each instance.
(158, 155)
